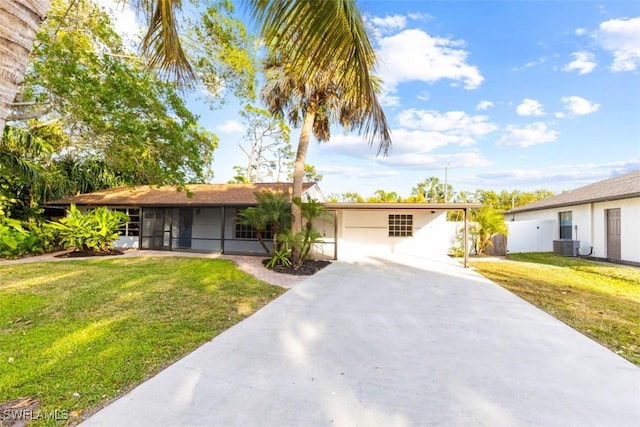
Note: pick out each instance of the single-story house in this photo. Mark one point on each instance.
(205, 219)
(600, 220)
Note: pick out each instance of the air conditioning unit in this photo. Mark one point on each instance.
(566, 247)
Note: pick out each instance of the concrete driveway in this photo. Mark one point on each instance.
(391, 343)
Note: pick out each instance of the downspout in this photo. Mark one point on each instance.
(335, 235)
(466, 238)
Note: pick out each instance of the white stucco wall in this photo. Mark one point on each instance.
(206, 230)
(591, 222)
(629, 228)
(366, 233)
(125, 242)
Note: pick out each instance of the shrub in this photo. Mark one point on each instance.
(96, 230)
(18, 238)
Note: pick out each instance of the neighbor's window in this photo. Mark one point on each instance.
(565, 225)
(400, 225)
(132, 228)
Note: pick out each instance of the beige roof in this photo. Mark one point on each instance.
(624, 186)
(202, 195)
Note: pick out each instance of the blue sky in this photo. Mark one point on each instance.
(505, 94)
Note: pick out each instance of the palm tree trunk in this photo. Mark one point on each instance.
(19, 22)
(298, 169)
(298, 175)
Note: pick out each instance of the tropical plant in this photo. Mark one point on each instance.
(96, 230)
(302, 242)
(488, 223)
(276, 210)
(273, 211)
(18, 238)
(280, 257)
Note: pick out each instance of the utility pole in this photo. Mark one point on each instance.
(445, 183)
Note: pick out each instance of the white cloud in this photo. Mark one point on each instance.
(387, 100)
(535, 63)
(419, 16)
(579, 106)
(580, 31)
(530, 107)
(389, 23)
(356, 171)
(621, 37)
(559, 115)
(532, 134)
(583, 62)
(230, 126)
(436, 161)
(484, 105)
(457, 124)
(421, 132)
(566, 176)
(414, 55)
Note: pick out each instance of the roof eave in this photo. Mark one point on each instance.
(575, 203)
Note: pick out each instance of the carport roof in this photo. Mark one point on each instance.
(402, 206)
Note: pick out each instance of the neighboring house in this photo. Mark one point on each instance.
(603, 217)
(163, 218)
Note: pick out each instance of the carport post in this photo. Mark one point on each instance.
(466, 238)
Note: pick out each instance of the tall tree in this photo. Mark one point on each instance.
(266, 146)
(107, 105)
(319, 72)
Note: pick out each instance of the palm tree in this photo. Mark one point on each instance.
(381, 196)
(318, 72)
(276, 211)
(20, 22)
(255, 218)
(489, 222)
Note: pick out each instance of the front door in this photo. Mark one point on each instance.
(156, 229)
(185, 225)
(613, 234)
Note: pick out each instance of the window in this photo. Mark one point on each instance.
(244, 231)
(132, 228)
(565, 225)
(400, 225)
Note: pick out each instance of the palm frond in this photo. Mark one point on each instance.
(327, 37)
(161, 43)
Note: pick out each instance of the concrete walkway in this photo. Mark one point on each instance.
(391, 343)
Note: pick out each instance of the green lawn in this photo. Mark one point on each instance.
(600, 300)
(76, 334)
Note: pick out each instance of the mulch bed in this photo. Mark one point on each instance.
(308, 268)
(78, 254)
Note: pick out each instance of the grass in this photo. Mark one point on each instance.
(600, 300)
(77, 334)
